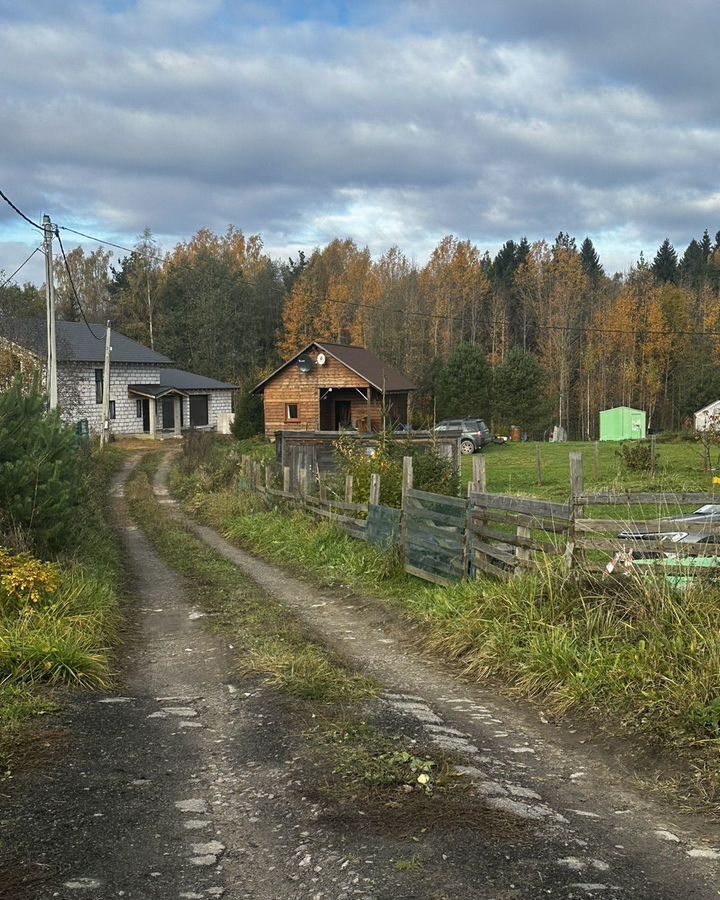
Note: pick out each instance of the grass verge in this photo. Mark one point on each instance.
(634, 653)
(64, 638)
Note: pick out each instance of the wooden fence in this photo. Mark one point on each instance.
(446, 539)
(433, 536)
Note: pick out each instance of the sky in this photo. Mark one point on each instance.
(393, 123)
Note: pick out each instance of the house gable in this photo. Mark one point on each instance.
(345, 389)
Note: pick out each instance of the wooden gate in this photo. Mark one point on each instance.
(434, 536)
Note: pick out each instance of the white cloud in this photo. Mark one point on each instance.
(188, 114)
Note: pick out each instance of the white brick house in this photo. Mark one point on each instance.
(147, 396)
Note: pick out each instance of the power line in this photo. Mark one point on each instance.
(542, 327)
(72, 285)
(8, 280)
(98, 240)
(428, 315)
(19, 211)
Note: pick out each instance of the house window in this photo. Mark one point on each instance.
(112, 409)
(291, 412)
(198, 410)
(98, 385)
(138, 409)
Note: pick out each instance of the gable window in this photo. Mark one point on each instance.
(98, 385)
(291, 412)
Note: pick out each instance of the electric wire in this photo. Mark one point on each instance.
(438, 316)
(8, 280)
(98, 240)
(19, 211)
(74, 290)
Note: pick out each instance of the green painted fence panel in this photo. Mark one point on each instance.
(434, 537)
(383, 526)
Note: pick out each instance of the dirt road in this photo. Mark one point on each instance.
(195, 783)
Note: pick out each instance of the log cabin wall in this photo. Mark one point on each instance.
(291, 386)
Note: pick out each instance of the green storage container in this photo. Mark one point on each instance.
(623, 423)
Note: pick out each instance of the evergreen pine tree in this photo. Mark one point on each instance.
(39, 468)
(464, 386)
(518, 394)
(665, 264)
(693, 266)
(591, 262)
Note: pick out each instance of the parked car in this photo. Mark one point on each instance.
(686, 528)
(473, 433)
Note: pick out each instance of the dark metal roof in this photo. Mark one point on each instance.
(359, 360)
(76, 343)
(189, 381)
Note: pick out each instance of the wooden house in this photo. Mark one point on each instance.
(327, 387)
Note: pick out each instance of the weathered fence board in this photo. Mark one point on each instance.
(383, 526)
(630, 498)
(524, 505)
(434, 536)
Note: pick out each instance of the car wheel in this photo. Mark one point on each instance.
(467, 446)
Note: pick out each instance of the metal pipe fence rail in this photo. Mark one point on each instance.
(445, 539)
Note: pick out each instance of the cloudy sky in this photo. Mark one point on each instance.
(389, 122)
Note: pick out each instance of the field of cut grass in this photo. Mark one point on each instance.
(512, 469)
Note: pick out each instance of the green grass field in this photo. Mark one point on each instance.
(512, 469)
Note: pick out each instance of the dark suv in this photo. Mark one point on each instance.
(473, 433)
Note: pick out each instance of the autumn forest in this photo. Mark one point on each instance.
(541, 325)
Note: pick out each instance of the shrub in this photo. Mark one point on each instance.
(637, 456)
(197, 448)
(25, 581)
(249, 420)
(431, 472)
(40, 467)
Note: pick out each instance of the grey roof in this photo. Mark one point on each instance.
(189, 381)
(359, 360)
(78, 343)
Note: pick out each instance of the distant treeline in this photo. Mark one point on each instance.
(541, 324)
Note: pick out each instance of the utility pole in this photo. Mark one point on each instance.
(105, 430)
(50, 296)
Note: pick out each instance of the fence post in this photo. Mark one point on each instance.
(538, 463)
(267, 477)
(349, 488)
(407, 477)
(374, 489)
(303, 481)
(577, 484)
(653, 455)
(522, 553)
(407, 483)
(286, 479)
(596, 452)
(478, 484)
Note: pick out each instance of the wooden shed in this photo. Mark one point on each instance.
(327, 387)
